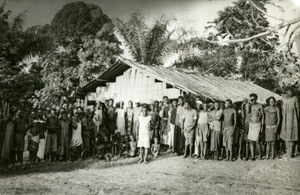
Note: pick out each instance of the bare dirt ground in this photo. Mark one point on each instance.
(165, 175)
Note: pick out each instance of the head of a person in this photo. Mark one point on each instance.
(151, 106)
(289, 91)
(187, 105)
(106, 102)
(33, 114)
(110, 102)
(145, 110)
(131, 137)
(197, 99)
(137, 103)
(40, 113)
(180, 101)
(64, 115)
(156, 104)
(174, 103)
(253, 98)
(166, 99)
(205, 106)
(118, 135)
(130, 104)
(121, 104)
(216, 105)
(90, 116)
(75, 117)
(156, 140)
(271, 101)
(228, 103)
(53, 112)
(161, 104)
(19, 113)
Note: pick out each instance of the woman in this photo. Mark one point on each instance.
(272, 120)
(290, 121)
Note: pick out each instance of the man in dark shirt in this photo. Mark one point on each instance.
(53, 126)
(20, 132)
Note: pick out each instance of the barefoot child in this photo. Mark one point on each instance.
(144, 134)
(155, 148)
(132, 144)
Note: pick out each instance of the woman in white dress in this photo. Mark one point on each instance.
(144, 123)
(121, 119)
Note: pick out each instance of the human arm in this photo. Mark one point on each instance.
(261, 110)
(279, 119)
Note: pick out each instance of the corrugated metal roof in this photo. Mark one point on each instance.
(208, 86)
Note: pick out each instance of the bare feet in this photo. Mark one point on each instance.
(140, 161)
(145, 162)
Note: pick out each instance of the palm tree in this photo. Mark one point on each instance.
(149, 44)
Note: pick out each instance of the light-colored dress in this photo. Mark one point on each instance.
(121, 121)
(215, 126)
(290, 120)
(76, 135)
(144, 132)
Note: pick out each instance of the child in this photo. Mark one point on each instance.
(132, 145)
(124, 145)
(104, 148)
(115, 140)
(154, 121)
(144, 123)
(155, 147)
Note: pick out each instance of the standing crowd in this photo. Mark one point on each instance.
(196, 129)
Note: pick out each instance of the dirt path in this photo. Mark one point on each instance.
(168, 175)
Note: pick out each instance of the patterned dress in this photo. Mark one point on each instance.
(290, 120)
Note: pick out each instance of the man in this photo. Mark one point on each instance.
(111, 113)
(229, 126)
(178, 136)
(88, 134)
(20, 132)
(129, 118)
(52, 125)
(216, 117)
(256, 118)
(172, 118)
(164, 115)
(189, 119)
(136, 113)
(65, 136)
(202, 132)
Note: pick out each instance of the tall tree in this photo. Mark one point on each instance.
(84, 47)
(148, 44)
(256, 59)
(16, 84)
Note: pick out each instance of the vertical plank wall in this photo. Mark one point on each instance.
(134, 85)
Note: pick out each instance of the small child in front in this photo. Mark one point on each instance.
(144, 123)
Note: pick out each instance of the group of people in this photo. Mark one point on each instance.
(205, 130)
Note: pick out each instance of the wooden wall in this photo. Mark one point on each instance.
(134, 85)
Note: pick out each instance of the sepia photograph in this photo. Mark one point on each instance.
(150, 97)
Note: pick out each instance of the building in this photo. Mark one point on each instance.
(127, 80)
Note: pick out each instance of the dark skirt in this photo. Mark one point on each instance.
(178, 140)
